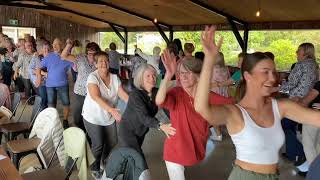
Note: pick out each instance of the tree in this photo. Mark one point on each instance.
(284, 51)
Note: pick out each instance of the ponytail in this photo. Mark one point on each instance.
(240, 90)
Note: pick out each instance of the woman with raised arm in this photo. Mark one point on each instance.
(187, 147)
(254, 123)
(84, 64)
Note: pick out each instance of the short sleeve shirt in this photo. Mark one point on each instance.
(84, 69)
(35, 63)
(57, 70)
(92, 112)
(236, 76)
(187, 147)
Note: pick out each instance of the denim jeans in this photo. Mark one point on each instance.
(294, 147)
(42, 92)
(62, 92)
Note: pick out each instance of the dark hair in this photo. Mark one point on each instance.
(173, 48)
(113, 46)
(77, 43)
(47, 43)
(92, 46)
(269, 54)
(199, 55)
(249, 62)
(178, 43)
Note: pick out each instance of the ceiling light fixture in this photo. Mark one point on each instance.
(155, 20)
(259, 9)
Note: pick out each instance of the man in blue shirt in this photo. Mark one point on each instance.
(57, 80)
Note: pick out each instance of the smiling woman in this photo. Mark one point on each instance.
(140, 113)
(99, 111)
(254, 124)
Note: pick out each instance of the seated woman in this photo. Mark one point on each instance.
(188, 146)
(99, 112)
(141, 109)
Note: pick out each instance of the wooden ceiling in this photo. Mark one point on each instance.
(186, 14)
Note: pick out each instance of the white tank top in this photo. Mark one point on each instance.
(258, 145)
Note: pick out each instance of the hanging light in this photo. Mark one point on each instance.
(259, 9)
(258, 13)
(155, 20)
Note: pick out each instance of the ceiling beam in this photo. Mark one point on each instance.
(217, 11)
(57, 8)
(80, 14)
(141, 16)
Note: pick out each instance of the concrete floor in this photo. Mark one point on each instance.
(217, 164)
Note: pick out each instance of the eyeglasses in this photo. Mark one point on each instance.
(91, 53)
(184, 73)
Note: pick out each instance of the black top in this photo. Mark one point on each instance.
(140, 113)
(317, 99)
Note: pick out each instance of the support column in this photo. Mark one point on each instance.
(171, 35)
(125, 41)
(243, 42)
(246, 38)
(163, 35)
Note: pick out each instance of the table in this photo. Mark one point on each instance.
(7, 169)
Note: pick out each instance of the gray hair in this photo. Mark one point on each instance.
(156, 50)
(138, 78)
(40, 44)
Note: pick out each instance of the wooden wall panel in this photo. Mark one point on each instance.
(47, 26)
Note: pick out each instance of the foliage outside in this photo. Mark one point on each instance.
(282, 43)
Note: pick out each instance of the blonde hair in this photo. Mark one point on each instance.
(220, 60)
(308, 49)
(138, 78)
(189, 47)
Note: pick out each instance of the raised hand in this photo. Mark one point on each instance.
(210, 47)
(69, 42)
(169, 62)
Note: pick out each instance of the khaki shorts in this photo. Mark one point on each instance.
(238, 173)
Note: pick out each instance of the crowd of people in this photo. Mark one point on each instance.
(193, 89)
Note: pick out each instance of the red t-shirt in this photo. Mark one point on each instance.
(187, 147)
